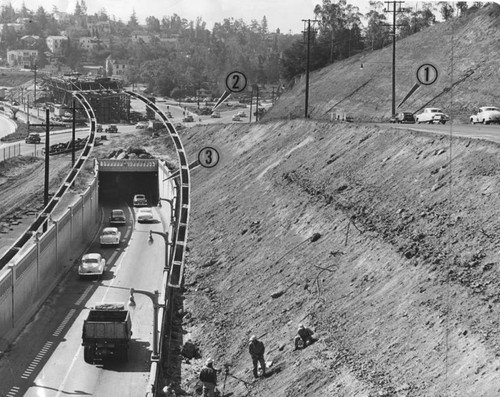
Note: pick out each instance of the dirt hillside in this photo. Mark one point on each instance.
(383, 241)
(465, 51)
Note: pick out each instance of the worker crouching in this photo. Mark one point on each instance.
(305, 337)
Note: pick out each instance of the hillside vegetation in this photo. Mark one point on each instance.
(465, 51)
(383, 241)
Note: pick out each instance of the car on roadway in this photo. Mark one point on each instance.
(33, 137)
(215, 115)
(404, 117)
(236, 118)
(117, 217)
(486, 115)
(432, 116)
(188, 119)
(112, 129)
(142, 125)
(145, 215)
(110, 236)
(91, 264)
(169, 115)
(242, 114)
(140, 200)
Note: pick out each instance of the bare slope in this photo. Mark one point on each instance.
(402, 286)
(465, 52)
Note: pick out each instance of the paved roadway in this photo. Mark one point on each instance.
(47, 358)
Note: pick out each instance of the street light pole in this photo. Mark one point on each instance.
(165, 236)
(156, 305)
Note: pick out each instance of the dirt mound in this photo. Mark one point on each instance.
(382, 241)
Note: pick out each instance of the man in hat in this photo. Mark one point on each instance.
(304, 335)
(208, 377)
(257, 350)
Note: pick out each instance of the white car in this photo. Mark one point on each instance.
(486, 115)
(432, 115)
(236, 118)
(140, 200)
(141, 125)
(110, 236)
(91, 265)
(145, 215)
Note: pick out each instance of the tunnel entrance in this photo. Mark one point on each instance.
(119, 180)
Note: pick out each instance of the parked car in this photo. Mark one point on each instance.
(169, 115)
(110, 236)
(112, 129)
(99, 128)
(215, 115)
(142, 125)
(242, 114)
(91, 265)
(188, 119)
(33, 137)
(236, 118)
(145, 215)
(486, 115)
(404, 117)
(140, 200)
(432, 115)
(117, 217)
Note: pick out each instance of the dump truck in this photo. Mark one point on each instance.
(107, 332)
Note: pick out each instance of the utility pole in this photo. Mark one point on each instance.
(307, 38)
(394, 3)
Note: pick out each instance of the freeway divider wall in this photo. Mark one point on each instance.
(38, 268)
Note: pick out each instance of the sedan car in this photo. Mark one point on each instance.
(145, 215)
(91, 265)
(405, 117)
(242, 114)
(117, 217)
(486, 115)
(140, 200)
(432, 115)
(141, 125)
(110, 236)
(236, 118)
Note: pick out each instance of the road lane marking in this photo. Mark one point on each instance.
(70, 368)
(84, 295)
(59, 329)
(28, 371)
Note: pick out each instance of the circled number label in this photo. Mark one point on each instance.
(208, 157)
(236, 82)
(427, 74)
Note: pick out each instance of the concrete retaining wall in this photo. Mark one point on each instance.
(33, 274)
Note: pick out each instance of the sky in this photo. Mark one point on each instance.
(287, 15)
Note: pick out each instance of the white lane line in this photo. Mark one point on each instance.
(84, 295)
(70, 368)
(28, 371)
(59, 329)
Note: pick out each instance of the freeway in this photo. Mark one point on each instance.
(477, 131)
(47, 358)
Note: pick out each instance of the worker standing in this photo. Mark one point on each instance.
(208, 377)
(304, 335)
(257, 350)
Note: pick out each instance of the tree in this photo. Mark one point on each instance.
(446, 10)
(133, 21)
(153, 24)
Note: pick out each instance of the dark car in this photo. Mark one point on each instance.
(117, 217)
(405, 117)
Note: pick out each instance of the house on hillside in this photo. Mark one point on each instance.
(57, 44)
(89, 44)
(138, 37)
(116, 68)
(61, 16)
(98, 28)
(30, 41)
(22, 58)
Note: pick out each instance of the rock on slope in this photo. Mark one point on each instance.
(401, 285)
